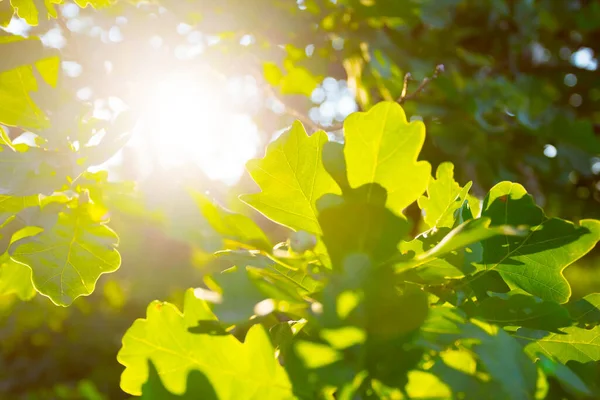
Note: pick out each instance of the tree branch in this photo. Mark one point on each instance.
(405, 96)
(305, 119)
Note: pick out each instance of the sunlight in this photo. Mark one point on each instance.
(193, 122)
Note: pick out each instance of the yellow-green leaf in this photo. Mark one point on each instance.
(232, 368)
(383, 147)
(534, 263)
(292, 178)
(444, 197)
(68, 257)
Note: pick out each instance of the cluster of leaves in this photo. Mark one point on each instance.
(513, 82)
(474, 307)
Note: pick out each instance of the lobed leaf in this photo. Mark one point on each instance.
(292, 178)
(231, 367)
(382, 147)
(69, 255)
(444, 197)
(572, 344)
(534, 263)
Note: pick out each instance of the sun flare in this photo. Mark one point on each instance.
(191, 121)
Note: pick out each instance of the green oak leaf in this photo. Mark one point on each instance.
(444, 197)
(534, 263)
(232, 226)
(382, 147)
(68, 256)
(467, 233)
(517, 308)
(292, 178)
(231, 367)
(572, 344)
(586, 310)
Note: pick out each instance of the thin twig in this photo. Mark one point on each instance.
(336, 127)
(404, 96)
(407, 78)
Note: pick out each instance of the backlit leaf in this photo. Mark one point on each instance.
(68, 257)
(382, 147)
(572, 344)
(444, 197)
(534, 263)
(230, 366)
(292, 178)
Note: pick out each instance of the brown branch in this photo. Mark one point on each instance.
(405, 96)
(268, 89)
(407, 78)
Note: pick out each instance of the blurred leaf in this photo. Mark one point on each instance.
(11, 205)
(18, 108)
(360, 223)
(18, 51)
(425, 385)
(240, 295)
(272, 73)
(232, 226)
(298, 81)
(6, 13)
(565, 376)
(15, 278)
(28, 171)
(586, 310)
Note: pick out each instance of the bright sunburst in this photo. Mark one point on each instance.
(192, 121)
